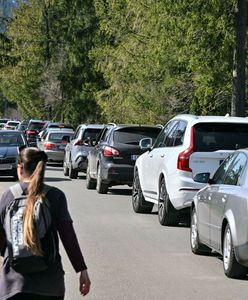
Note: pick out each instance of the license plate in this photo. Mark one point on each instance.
(5, 167)
(134, 157)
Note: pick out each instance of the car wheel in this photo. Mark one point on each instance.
(140, 205)
(231, 267)
(101, 187)
(90, 182)
(65, 169)
(167, 214)
(73, 174)
(196, 246)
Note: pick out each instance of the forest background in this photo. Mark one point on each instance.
(122, 61)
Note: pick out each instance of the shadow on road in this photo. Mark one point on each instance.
(56, 179)
(124, 192)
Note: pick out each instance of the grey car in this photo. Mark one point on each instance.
(219, 214)
(77, 150)
(54, 143)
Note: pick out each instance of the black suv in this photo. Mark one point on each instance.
(112, 160)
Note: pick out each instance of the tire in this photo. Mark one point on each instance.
(65, 169)
(231, 267)
(167, 214)
(90, 183)
(196, 246)
(101, 187)
(140, 205)
(73, 174)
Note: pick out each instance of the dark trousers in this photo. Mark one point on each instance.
(24, 296)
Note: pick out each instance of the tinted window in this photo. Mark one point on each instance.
(216, 136)
(91, 133)
(11, 139)
(57, 137)
(170, 138)
(36, 126)
(221, 171)
(132, 135)
(160, 141)
(235, 170)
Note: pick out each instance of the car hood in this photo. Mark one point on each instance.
(8, 151)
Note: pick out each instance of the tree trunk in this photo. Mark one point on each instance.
(239, 60)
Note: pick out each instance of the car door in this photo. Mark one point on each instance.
(152, 163)
(69, 146)
(229, 183)
(205, 198)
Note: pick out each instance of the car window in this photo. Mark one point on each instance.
(179, 133)
(171, 135)
(235, 170)
(11, 139)
(132, 135)
(57, 136)
(221, 171)
(161, 137)
(36, 126)
(77, 132)
(216, 136)
(91, 133)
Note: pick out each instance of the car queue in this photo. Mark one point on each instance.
(192, 164)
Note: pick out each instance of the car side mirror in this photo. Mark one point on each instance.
(145, 144)
(202, 177)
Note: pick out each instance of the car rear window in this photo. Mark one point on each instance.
(217, 136)
(91, 133)
(36, 126)
(11, 139)
(132, 135)
(57, 137)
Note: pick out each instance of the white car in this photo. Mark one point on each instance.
(187, 145)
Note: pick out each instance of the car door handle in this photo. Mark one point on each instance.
(162, 155)
(223, 199)
(151, 155)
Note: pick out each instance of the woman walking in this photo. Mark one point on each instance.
(49, 283)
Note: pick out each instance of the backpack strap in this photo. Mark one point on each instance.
(16, 190)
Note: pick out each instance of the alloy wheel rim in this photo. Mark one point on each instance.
(194, 232)
(227, 249)
(161, 205)
(135, 192)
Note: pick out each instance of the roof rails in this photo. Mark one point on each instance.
(112, 124)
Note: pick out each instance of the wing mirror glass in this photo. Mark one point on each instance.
(202, 177)
(145, 144)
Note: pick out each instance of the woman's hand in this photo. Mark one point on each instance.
(84, 283)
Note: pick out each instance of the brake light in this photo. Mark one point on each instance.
(31, 132)
(49, 146)
(79, 143)
(183, 157)
(109, 151)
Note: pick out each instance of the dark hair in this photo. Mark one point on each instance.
(34, 163)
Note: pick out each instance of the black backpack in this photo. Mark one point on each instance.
(20, 257)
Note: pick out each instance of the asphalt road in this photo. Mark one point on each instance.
(131, 256)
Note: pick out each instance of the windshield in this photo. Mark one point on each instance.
(57, 137)
(9, 139)
(216, 136)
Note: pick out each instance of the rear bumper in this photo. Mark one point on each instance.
(117, 174)
(80, 163)
(57, 156)
(241, 253)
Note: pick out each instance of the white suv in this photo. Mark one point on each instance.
(188, 145)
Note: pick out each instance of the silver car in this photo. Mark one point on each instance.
(77, 150)
(54, 143)
(219, 214)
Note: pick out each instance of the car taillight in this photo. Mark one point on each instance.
(49, 146)
(79, 143)
(31, 132)
(183, 157)
(109, 151)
